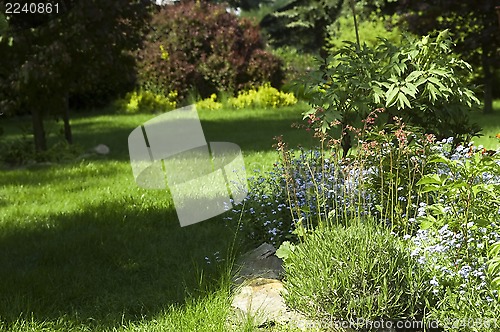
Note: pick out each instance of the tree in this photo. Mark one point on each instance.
(47, 57)
(474, 25)
(200, 47)
(302, 23)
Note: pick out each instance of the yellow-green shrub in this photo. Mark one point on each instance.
(209, 103)
(264, 96)
(146, 102)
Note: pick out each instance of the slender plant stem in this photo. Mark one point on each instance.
(353, 7)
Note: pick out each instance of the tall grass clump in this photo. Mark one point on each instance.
(355, 272)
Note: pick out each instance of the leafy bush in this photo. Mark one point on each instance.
(264, 96)
(22, 152)
(457, 229)
(200, 46)
(357, 272)
(145, 102)
(295, 64)
(210, 103)
(420, 81)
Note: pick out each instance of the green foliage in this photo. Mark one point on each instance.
(200, 46)
(476, 201)
(421, 81)
(301, 23)
(22, 152)
(395, 158)
(494, 265)
(357, 272)
(295, 63)
(264, 96)
(210, 103)
(47, 58)
(144, 101)
(370, 30)
(474, 26)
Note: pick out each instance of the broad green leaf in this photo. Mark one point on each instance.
(391, 95)
(403, 101)
(413, 76)
(438, 159)
(427, 223)
(495, 283)
(494, 267)
(495, 249)
(430, 179)
(285, 250)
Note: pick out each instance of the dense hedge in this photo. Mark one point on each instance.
(200, 46)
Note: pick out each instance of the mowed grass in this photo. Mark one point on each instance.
(491, 127)
(82, 248)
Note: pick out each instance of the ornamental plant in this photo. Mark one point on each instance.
(144, 101)
(197, 45)
(210, 103)
(420, 81)
(264, 96)
(360, 272)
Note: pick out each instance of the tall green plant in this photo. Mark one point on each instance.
(420, 81)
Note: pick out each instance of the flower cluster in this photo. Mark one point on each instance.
(456, 260)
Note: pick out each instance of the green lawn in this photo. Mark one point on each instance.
(83, 248)
(491, 127)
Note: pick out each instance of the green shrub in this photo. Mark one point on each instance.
(145, 102)
(420, 81)
(264, 96)
(200, 46)
(21, 151)
(359, 272)
(295, 63)
(210, 103)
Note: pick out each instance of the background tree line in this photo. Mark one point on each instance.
(87, 54)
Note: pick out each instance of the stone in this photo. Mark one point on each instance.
(259, 263)
(259, 294)
(101, 149)
(261, 299)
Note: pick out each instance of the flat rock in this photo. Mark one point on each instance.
(102, 149)
(258, 295)
(259, 263)
(261, 300)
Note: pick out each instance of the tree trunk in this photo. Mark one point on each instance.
(65, 115)
(38, 130)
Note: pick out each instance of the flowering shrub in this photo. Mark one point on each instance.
(457, 266)
(146, 102)
(264, 96)
(210, 103)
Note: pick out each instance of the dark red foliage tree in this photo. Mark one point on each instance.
(200, 46)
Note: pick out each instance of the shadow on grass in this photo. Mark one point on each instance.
(42, 174)
(252, 133)
(108, 264)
